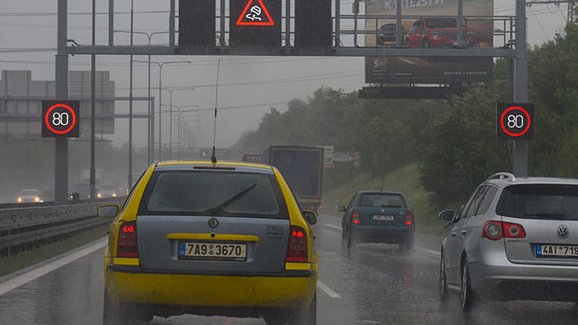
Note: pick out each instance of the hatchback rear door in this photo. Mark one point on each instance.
(213, 221)
(548, 214)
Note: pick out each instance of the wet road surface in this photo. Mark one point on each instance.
(376, 284)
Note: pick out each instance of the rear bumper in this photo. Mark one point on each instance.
(381, 234)
(153, 288)
(506, 280)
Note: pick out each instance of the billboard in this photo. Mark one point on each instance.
(433, 24)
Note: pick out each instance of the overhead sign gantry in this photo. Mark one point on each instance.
(311, 28)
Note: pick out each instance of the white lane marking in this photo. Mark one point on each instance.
(332, 226)
(36, 273)
(327, 290)
(429, 251)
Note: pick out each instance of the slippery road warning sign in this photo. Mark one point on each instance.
(255, 14)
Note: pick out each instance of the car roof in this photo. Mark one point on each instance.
(533, 180)
(208, 165)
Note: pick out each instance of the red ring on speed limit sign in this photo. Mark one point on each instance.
(49, 125)
(515, 134)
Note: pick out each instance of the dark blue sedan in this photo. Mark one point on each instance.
(378, 217)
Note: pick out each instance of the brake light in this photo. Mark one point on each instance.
(408, 219)
(127, 243)
(355, 218)
(297, 250)
(495, 230)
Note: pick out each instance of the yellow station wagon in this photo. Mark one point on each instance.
(210, 239)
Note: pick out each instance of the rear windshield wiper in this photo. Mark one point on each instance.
(230, 200)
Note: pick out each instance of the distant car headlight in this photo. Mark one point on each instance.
(113, 194)
(19, 199)
(99, 195)
(37, 199)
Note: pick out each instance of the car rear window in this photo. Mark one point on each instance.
(540, 201)
(219, 193)
(382, 200)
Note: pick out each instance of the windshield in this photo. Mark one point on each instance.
(213, 193)
(546, 202)
(29, 192)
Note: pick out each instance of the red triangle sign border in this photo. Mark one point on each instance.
(240, 21)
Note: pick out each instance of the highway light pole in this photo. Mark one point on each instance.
(130, 98)
(520, 147)
(93, 107)
(171, 91)
(61, 92)
(151, 124)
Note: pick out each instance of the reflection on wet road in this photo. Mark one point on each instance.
(376, 284)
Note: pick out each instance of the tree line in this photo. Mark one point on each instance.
(453, 141)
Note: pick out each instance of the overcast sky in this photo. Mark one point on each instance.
(255, 83)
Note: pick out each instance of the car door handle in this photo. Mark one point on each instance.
(453, 234)
(463, 232)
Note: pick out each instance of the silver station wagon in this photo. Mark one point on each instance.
(514, 239)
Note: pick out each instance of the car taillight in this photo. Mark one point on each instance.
(408, 219)
(297, 250)
(355, 218)
(514, 230)
(495, 230)
(127, 245)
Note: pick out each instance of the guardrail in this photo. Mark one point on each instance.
(29, 226)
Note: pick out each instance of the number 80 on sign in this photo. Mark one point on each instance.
(60, 118)
(515, 121)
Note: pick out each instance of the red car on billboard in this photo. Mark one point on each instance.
(439, 32)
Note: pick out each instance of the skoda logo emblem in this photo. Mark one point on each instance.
(213, 223)
(563, 232)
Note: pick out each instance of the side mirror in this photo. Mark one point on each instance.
(340, 208)
(310, 216)
(108, 211)
(447, 215)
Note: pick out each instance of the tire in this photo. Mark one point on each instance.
(117, 315)
(442, 286)
(409, 242)
(111, 314)
(304, 316)
(466, 292)
(308, 316)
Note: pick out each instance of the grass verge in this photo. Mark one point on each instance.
(9, 264)
(405, 180)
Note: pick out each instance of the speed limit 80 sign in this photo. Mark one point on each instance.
(60, 118)
(515, 121)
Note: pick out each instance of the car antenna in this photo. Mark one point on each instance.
(214, 153)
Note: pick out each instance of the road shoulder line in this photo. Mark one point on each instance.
(34, 274)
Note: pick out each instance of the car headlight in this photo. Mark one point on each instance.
(99, 195)
(19, 199)
(113, 194)
(37, 199)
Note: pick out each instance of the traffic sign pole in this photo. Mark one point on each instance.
(520, 147)
(61, 143)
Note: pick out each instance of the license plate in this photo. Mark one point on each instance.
(556, 250)
(382, 218)
(212, 251)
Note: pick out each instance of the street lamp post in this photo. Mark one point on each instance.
(180, 126)
(171, 91)
(151, 124)
(160, 65)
